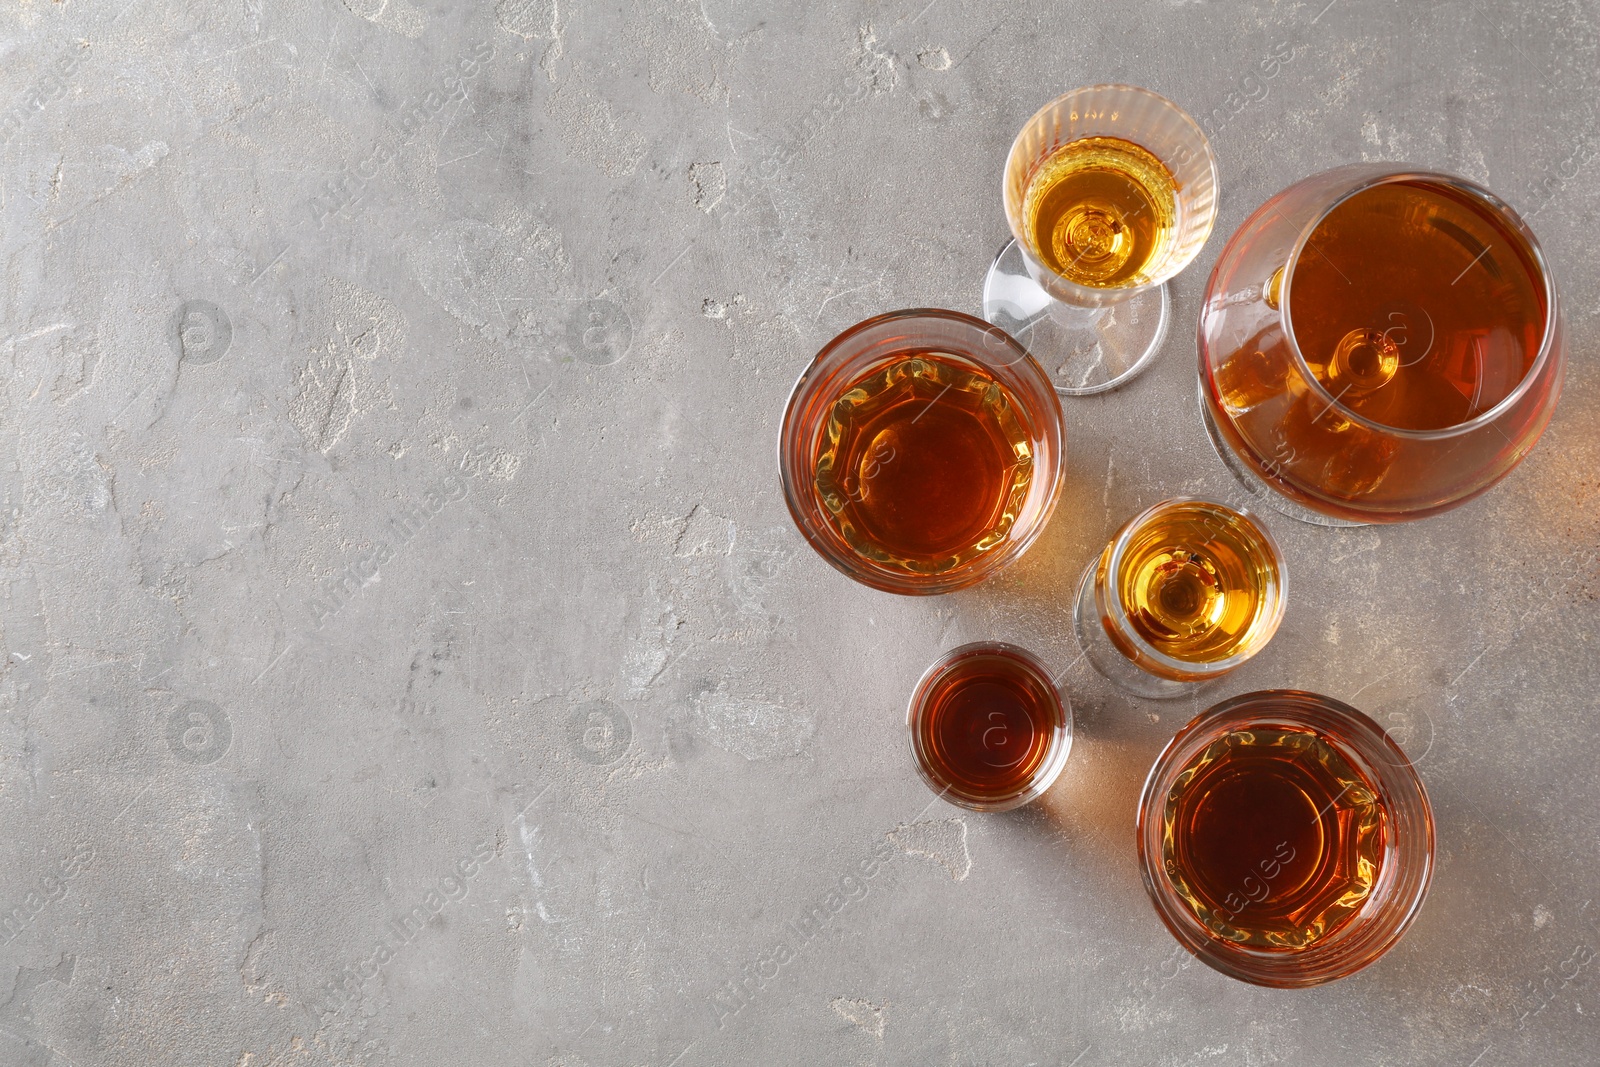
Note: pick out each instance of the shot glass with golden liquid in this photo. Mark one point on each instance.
(1109, 191)
(921, 451)
(1285, 839)
(1378, 344)
(989, 729)
(1186, 591)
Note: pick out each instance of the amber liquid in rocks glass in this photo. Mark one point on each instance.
(1272, 838)
(1100, 212)
(924, 463)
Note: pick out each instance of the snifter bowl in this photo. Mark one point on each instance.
(1310, 451)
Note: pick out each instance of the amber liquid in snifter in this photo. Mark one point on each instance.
(1458, 341)
(1192, 584)
(1195, 581)
(924, 463)
(1100, 212)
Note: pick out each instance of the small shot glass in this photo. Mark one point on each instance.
(1185, 592)
(989, 729)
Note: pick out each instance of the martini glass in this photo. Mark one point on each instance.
(1109, 191)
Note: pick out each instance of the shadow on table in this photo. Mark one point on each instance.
(1092, 806)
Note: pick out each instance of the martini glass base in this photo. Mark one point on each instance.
(1083, 350)
(1257, 487)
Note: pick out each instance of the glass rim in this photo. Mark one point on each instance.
(1122, 292)
(1388, 174)
(975, 570)
(1059, 746)
(1117, 547)
(1351, 948)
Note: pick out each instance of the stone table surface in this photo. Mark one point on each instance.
(409, 659)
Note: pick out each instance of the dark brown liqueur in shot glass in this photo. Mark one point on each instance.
(989, 729)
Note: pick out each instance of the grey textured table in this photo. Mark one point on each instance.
(408, 658)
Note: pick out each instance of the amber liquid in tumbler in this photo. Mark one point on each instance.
(1193, 582)
(987, 727)
(1416, 307)
(1272, 838)
(924, 463)
(1100, 212)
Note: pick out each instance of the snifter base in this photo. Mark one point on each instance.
(1112, 665)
